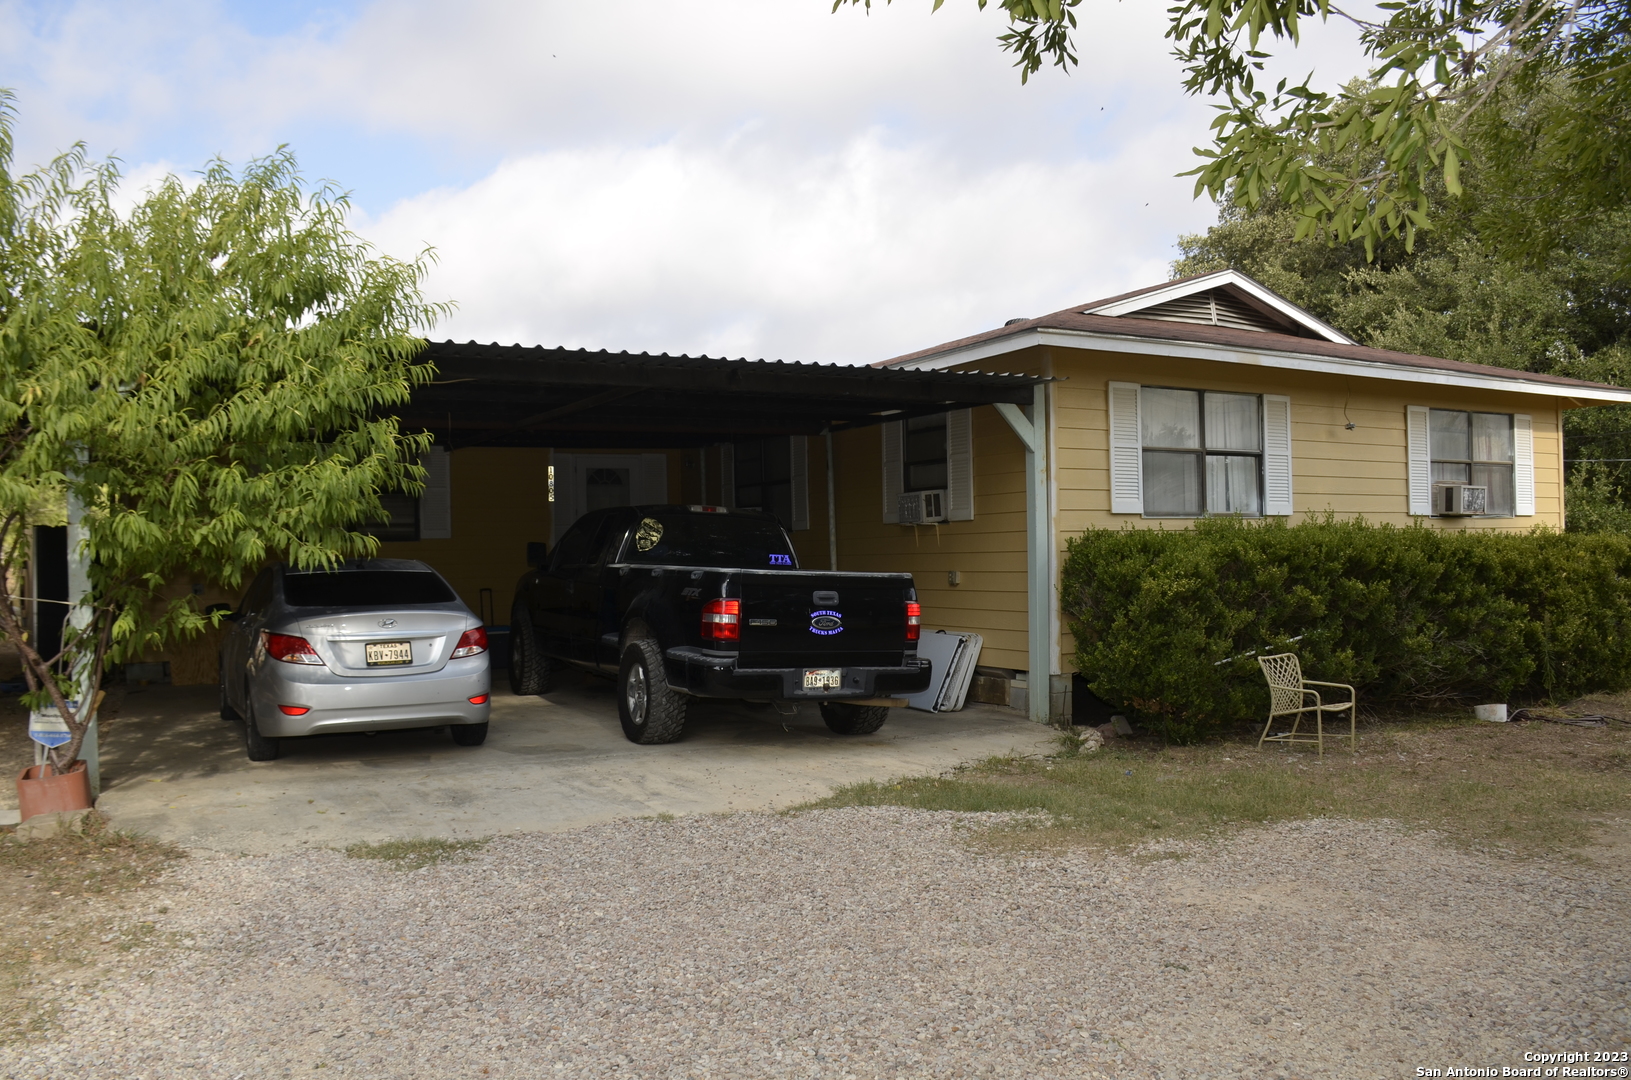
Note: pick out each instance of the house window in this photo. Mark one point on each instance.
(1474, 448)
(1202, 452)
(764, 477)
(401, 521)
(923, 458)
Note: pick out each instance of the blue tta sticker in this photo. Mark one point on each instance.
(781, 560)
(826, 623)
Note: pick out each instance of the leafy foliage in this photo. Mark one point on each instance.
(1169, 623)
(207, 377)
(1522, 87)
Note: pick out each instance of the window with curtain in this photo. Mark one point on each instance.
(1203, 452)
(1474, 448)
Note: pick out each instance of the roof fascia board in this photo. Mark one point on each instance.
(1329, 365)
(1181, 289)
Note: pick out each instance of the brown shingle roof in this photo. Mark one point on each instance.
(1245, 340)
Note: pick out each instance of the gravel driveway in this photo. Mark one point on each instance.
(864, 943)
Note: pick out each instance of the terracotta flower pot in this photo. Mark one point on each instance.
(41, 789)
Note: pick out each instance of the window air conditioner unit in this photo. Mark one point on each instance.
(922, 507)
(1461, 500)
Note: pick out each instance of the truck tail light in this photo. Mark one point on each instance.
(471, 643)
(914, 620)
(290, 649)
(722, 620)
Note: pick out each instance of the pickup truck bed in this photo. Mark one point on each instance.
(694, 601)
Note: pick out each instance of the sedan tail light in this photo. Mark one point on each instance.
(480, 699)
(471, 642)
(914, 620)
(722, 620)
(290, 649)
(294, 710)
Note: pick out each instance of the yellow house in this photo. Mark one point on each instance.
(1209, 395)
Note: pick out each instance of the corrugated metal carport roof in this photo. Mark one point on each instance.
(516, 395)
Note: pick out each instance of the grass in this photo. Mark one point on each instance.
(68, 905)
(417, 853)
(1528, 788)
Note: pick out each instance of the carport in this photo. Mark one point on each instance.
(518, 396)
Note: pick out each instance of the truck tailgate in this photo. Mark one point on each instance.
(793, 618)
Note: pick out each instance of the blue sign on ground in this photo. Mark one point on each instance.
(47, 727)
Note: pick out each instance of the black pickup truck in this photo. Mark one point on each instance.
(699, 601)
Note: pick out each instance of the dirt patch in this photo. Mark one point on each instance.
(77, 911)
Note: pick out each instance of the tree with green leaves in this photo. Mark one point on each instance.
(206, 380)
(1534, 91)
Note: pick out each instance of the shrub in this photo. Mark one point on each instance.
(1168, 622)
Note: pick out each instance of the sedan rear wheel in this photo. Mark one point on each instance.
(469, 734)
(651, 711)
(531, 672)
(847, 719)
(258, 746)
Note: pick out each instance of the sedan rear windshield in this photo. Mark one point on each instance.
(751, 543)
(365, 588)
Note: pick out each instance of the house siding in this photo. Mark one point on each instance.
(988, 552)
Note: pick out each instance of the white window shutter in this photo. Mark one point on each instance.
(1126, 452)
(894, 456)
(798, 454)
(436, 501)
(1421, 462)
(1276, 455)
(727, 475)
(960, 465)
(653, 489)
(1523, 465)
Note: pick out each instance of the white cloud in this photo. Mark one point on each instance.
(753, 177)
(741, 248)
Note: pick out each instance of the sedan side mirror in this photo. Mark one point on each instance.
(229, 616)
(537, 553)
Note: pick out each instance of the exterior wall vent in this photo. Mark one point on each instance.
(1215, 307)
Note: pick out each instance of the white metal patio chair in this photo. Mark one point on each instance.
(1289, 695)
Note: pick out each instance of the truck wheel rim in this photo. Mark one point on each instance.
(634, 693)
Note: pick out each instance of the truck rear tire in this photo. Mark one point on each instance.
(531, 672)
(651, 711)
(847, 719)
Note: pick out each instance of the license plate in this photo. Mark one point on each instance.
(381, 653)
(827, 678)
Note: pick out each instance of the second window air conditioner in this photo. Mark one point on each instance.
(1460, 500)
(922, 507)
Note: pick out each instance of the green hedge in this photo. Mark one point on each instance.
(1410, 616)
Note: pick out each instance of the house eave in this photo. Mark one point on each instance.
(1281, 359)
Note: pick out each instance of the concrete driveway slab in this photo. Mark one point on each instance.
(173, 770)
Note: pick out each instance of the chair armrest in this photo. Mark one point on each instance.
(1342, 685)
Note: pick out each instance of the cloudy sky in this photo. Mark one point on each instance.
(738, 177)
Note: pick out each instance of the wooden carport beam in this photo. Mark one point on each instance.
(1041, 593)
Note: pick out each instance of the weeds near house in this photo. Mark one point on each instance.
(1527, 789)
(415, 854)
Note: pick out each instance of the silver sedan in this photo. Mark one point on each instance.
(373, 645)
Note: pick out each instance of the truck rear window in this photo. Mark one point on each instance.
(728, 540)
(365, 588)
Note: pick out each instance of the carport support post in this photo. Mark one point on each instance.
(1032, 431)
(79, 616)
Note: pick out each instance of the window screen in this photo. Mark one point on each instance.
(1203, 452)
(1474, 448)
